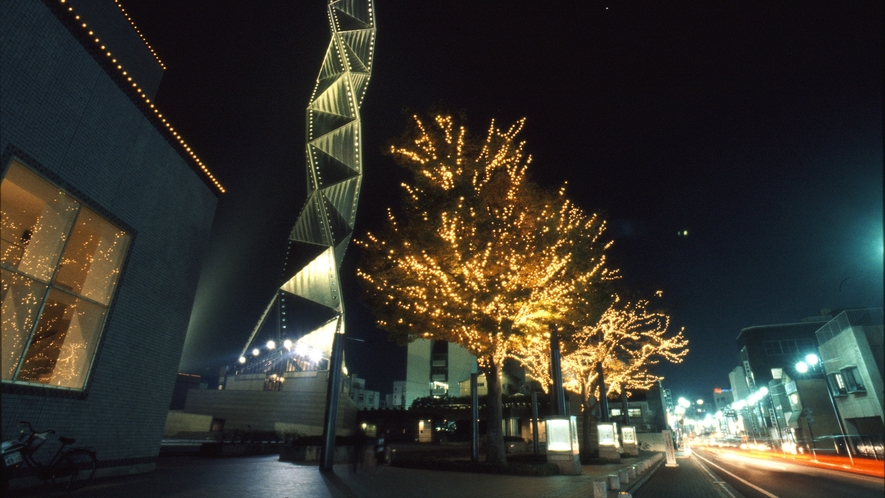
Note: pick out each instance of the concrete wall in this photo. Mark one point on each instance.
(179, 423)
(852, 348)
(300, 405)
(461, 365)
(417, 370)
(63, 115)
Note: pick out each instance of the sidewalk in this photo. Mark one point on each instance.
(267, 477)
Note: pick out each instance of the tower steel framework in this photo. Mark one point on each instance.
(325, 224)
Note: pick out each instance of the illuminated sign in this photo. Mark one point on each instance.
(628, 434)
(606, 434)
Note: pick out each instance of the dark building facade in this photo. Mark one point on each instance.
(765, 347)
(106, 214)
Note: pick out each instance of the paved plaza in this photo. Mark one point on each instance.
(267, 477)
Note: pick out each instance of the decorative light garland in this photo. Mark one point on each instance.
(146, 44)
(147, 101)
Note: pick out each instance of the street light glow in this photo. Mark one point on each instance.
(802, 367)
(271, 345)
(301, 349)
(812, 359)
(316, 355)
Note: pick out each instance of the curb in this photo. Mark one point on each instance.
(638, 484)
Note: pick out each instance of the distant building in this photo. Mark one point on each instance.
(800, 411)
(106, 215)
(645, 409)
(823, 378)
(435, 368)
(667, 398)
(362, 397)
(513, 380)
(765, 347)
(398, 398)
(737, 378)
(722, 398)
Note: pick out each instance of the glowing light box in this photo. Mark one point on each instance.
(562, 435)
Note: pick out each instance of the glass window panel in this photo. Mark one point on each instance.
(772, 347)
(64, 342)
(35, 218)
(92, 258)
(837, 384)
(21, 298)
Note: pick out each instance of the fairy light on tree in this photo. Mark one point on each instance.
(627, 339)
(479, 256)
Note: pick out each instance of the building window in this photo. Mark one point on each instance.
(787, 346)
(853, 380)
(60, 262)
(273, 382)
(837, 384)
(634, 412)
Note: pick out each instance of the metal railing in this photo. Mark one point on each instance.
(848, 319)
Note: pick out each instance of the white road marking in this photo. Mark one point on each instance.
(715, 478)
(757, 488)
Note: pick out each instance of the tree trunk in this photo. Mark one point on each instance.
(495, 450)
(590, 446)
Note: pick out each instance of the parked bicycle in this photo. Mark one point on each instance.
(71, 468)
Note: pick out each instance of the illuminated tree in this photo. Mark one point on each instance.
(479, 255)
(628, 339)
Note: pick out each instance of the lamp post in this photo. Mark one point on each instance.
(812, 362)
(556, 373)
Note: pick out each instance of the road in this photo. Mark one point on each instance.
(776, 478)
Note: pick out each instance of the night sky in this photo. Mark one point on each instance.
(755, 127)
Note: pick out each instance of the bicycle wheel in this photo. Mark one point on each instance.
(75, 468)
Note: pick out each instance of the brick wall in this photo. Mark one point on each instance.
(62, 114)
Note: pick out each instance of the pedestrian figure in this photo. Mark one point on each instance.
(359, 444)
(380, 453)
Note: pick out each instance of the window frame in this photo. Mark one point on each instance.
(837, 384)
(15, 386)
(853, 380)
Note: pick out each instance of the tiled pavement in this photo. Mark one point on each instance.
(267, 477)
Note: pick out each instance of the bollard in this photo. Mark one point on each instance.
(623, 476)
(613, 481)
(600, 489)
(631, 473)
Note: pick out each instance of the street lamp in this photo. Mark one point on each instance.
(811, 360)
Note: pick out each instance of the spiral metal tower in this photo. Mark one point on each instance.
(324, 227)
